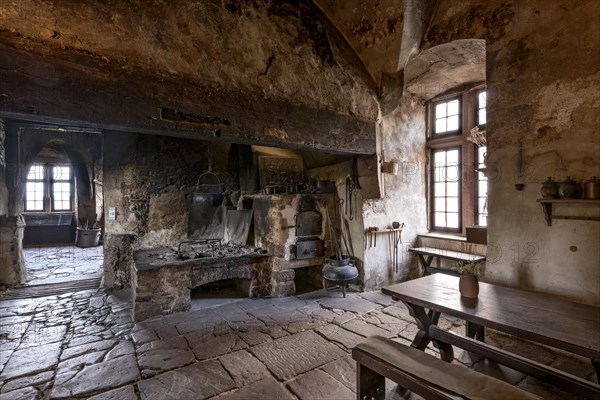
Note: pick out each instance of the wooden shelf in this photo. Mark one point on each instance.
(574, 201)
(547, 207)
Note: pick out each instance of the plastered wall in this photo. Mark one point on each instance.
(544, 119)
(402, 140)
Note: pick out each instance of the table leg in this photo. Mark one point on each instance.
(475, 331)
(424, 320)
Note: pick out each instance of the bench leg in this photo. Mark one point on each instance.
(475, 331)
(371, 385)
(424, 321)
(596, 365)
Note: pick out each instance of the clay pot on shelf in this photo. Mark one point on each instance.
(569, 189)
(549, 189)
(468, 285)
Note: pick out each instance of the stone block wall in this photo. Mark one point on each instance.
(118, 260)
(12, 271)
(165, 288)
(161, 291)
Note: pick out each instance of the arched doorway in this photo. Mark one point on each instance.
(59, 193)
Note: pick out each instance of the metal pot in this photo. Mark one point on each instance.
(340, 271)
(569, 189)
(325, 186)
(549, 189)
(591, 189)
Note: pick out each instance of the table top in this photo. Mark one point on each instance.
(546, 319)
(448, 254)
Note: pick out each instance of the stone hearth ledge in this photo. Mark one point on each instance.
(163, 286)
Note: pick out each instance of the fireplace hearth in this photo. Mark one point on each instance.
(291, 245)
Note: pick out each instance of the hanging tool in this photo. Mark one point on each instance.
(396, 235)
(335, 239)
(373, 236)
(349, 200)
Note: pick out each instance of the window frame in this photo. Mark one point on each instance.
(477, 196)
(432, 119)
(42, 180)
(469, 96)
(53, 181)
(48, 187)
(476, 94)
(432, 192)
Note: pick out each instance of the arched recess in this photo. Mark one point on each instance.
(444, 67)
(84, 151)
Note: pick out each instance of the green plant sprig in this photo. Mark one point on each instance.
(467, 267)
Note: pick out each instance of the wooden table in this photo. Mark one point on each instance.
(432, 252)
(541, 318)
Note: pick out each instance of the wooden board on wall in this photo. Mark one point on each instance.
(369, 177)
(279, 170)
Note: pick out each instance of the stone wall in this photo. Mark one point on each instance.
(543, 120)
(118, 260)
(12, 271)
(213, 70)
(3, 188)
(149, 180)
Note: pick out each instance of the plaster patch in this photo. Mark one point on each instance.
(276, 133)
(557, 101)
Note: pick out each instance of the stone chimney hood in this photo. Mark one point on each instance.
(275, 74)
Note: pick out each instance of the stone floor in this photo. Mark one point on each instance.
(84, 345)
(55, 264)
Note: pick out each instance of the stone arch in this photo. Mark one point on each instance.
(81, 149)
(446, 66)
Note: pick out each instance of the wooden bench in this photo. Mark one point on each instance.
(438, 254)
(378, 358)
(571, 383)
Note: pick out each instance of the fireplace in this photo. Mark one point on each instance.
(285, 241)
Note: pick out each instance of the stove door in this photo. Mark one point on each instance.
(309, 223)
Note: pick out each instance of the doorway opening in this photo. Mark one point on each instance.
(61, 193)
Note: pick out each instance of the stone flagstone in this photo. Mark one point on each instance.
(22, 394)
(340, 335)
(97, 377)
(214, 346)
(124, 393)
(292, 355)
(378, 297)
(350, 303)
(244, 368)
(343, 370)
(365, 329)
(30, 360)
(197, 381)
(266, 389)
(28, 381)
(318, 384)
(164, 355)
